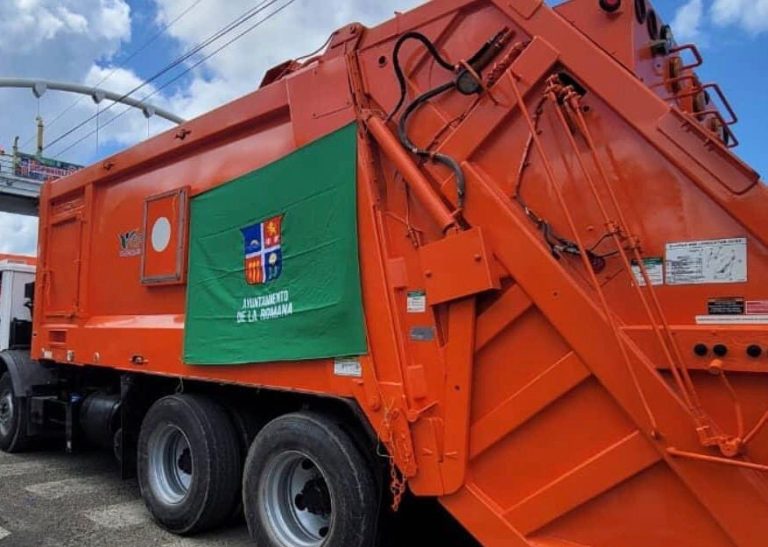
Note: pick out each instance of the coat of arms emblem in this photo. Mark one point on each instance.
(263, 251)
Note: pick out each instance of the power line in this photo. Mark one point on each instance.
(180, 75)
(132, 56)
(246, 16)
(187, 70)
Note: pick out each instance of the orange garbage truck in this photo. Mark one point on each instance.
(492, 253)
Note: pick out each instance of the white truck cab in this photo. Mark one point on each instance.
(15, 314)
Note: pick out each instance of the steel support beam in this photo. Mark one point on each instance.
(39, 87)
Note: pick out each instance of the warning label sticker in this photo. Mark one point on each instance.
(417, 302)
(713, 261)
(757, 307)
(655, 269)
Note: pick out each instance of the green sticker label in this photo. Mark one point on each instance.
(417, 302)
(654, 268)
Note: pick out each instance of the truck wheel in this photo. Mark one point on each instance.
(307, 484)
(12, 418)
(189, 464)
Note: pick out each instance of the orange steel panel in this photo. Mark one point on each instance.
(503, 312)
(557, 399)
(542, 391)
(599, 473)
(457, 266)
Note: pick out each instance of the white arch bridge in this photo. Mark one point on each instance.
(20, 189)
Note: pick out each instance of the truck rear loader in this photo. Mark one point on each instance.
(490, 252)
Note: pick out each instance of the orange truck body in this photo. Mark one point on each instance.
(606, 387)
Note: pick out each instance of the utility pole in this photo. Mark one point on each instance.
(16, 154)
(40, 134)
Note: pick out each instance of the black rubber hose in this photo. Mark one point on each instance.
(399, 70)
(402, 132)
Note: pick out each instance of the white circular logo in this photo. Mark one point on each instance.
(161, 234)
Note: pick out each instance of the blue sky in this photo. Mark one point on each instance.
(737, 58)
(87, 40)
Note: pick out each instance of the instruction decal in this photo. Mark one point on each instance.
(347, 366)
(655, 269)
(417, 302)
(703, 262)
(726, 306)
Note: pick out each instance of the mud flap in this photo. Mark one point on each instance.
(29, 377)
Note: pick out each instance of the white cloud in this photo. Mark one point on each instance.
(26, 25)
(54, 40)
(113, 19)
(688, 20)
(237, 70)
(77, 23)
(751, 15)
(18, 234)
(693, 15)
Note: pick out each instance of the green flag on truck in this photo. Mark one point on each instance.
(273, 262)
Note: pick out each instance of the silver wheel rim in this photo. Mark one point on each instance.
(170, 464)
(296, 500)
(6, 413)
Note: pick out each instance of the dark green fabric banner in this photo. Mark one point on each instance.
(273, 262)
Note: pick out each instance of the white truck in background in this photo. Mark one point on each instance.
(17, 276)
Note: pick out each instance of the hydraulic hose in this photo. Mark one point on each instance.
(431, 48)
(466, 83)
(402, 133)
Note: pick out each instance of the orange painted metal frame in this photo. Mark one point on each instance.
(19, 259)
(557, 403)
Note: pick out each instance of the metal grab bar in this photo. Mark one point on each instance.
(696, 53)
(724, 100)
(720, 94)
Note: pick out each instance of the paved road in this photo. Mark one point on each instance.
(52, 499)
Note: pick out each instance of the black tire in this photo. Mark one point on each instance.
(339, 490)
(13, 422)
(247, 425)
(189, 464)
